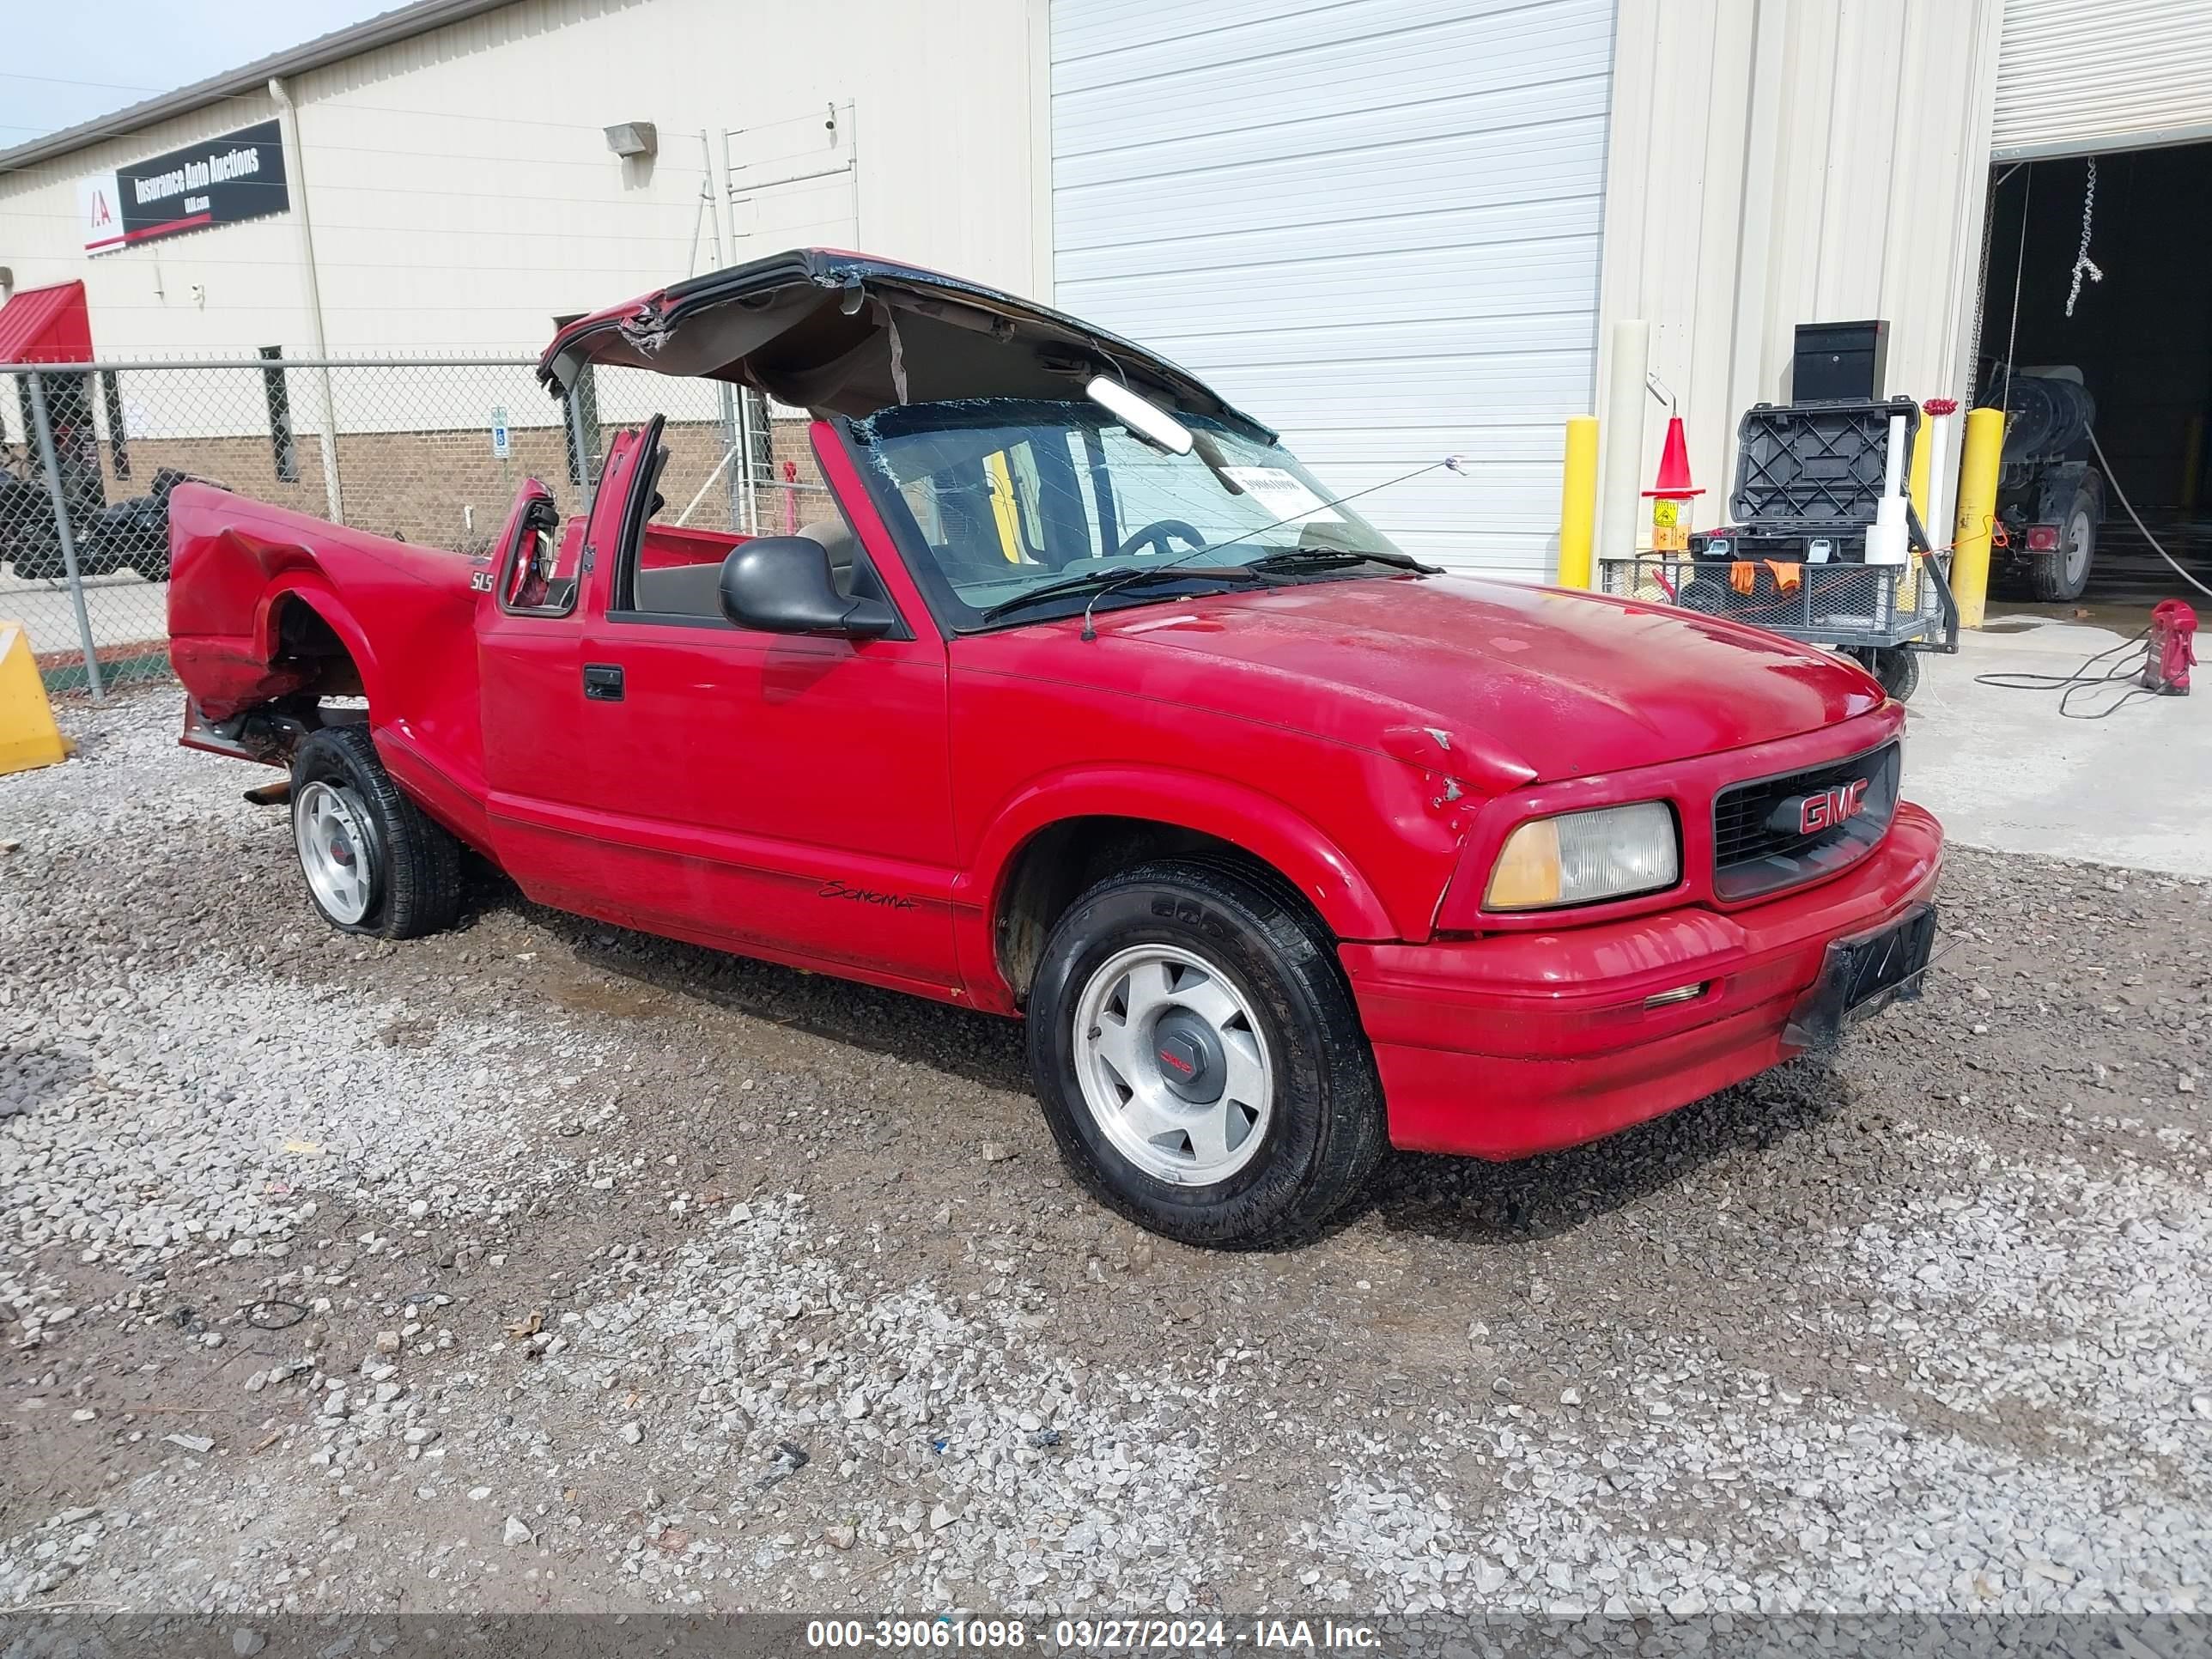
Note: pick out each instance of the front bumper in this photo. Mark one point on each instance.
(1518, 1044)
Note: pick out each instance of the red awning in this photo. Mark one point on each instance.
(46, 326)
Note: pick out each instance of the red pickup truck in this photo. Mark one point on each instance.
(1087, 703)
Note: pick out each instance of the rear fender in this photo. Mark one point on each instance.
(229, 674)
(313, 589)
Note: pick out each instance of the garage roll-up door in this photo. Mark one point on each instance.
(1374, 225)
(2078, 75)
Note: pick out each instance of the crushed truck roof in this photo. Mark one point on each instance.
(847, 334)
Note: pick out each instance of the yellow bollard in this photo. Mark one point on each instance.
(1979, 462)
(1578, 502)
(1004, 508)
(27, 735)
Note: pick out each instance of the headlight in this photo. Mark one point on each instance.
(1580, 857)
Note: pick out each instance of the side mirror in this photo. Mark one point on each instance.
(784, 585)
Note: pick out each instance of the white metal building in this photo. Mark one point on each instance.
(449, 162)
(1395, 228)
(1376, 226)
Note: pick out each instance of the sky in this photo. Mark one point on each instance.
(68, 61)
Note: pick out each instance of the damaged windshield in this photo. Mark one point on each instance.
(1026, 508)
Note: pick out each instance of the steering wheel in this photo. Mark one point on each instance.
(1157, 532)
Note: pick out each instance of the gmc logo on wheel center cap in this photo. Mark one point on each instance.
(1826, 809)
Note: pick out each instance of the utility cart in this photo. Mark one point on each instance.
(1809, 481)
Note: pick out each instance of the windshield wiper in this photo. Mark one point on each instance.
(1331, 558)
(1099, 586)
(1102, 581)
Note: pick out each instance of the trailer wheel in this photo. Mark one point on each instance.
(373, 862)
(1896, 668)
(2065, 573)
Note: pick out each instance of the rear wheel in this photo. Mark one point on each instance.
(373, 862)
(2062, 576)
(1198, 1058)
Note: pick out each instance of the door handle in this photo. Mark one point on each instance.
(603, 682)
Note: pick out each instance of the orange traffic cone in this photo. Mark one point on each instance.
(1670, 532)
(1674, 465)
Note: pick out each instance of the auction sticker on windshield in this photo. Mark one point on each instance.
(1283, 494)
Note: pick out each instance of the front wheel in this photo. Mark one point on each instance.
(375, 862)
(1199, 1057)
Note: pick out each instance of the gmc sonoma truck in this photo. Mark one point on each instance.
(1087, 704)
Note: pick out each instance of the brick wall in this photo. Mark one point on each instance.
(446, 489)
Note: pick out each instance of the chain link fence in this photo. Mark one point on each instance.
(424, 450)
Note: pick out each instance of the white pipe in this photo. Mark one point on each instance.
(1893, 464)
(1620, 443)
(295, 172)
(1941, 482)
(728, 455)
(1888, 540)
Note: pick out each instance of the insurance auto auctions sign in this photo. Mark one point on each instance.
(217, 181)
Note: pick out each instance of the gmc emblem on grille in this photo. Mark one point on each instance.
(1808, 814)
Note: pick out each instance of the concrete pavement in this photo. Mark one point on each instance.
(2002, 769)
(123, 610)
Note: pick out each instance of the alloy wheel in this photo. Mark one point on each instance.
(337, 850)
(1173, 1064)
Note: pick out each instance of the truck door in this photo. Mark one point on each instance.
(540, 801)
(784, 796)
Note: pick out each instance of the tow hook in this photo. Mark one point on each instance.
(270, 795)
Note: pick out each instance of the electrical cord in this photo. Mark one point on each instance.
(2137, 517)
(2070, 686)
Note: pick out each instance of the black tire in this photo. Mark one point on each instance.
(1325, 1129)
(1896, 667)
(2061, 576)
(39, 563)
(1705, 595)
(414, 864)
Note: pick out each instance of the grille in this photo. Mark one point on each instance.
(1759, 845)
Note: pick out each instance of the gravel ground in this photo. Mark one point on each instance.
(539, 1266)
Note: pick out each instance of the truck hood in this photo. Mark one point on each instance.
(1521, 684)
(842, 333)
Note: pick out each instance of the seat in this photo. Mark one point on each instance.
(834, 535)
(683, 590)
(695, 590)
(852, 570)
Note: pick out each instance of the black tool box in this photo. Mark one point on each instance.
(1809, 481)
(1827, 545)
